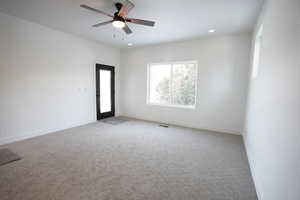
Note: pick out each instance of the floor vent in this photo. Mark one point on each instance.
(164, 125)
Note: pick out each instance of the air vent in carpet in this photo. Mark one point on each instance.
(164, 125)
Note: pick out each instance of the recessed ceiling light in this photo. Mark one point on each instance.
(129, 44)
(212, 30)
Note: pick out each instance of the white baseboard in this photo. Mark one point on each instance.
(25, 136)
(252, 169)
(188, 126)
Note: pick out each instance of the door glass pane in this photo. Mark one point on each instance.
(105, 91)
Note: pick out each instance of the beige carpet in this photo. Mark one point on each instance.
(134, 160)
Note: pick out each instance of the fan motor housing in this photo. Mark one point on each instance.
(118, 18)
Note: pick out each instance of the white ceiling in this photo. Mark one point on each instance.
(175, 19)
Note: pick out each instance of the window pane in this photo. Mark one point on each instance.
(159, 84)
(256, 56)
(184, 84)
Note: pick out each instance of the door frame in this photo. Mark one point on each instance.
(112, 81)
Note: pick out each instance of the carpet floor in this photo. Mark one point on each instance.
(134, 160)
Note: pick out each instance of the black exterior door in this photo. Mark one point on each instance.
(105, 91)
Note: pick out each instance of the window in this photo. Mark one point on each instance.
(256, 56)
(172, 84)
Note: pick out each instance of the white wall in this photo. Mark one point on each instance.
(272, 133)
(222, 82)
(47, 79)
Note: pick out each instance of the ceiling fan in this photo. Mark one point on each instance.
(120, 18)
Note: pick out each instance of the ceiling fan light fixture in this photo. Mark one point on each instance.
(119, 19)
(118, 22)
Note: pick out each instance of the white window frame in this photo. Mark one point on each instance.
(171, 78)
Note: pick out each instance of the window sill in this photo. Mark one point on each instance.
(172, 106)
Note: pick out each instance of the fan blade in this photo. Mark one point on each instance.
(140, 22)
(127, 29)
(126, 8)
(96, 10)
(103, 23)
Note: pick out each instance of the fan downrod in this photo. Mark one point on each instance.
(118, 6)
